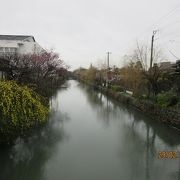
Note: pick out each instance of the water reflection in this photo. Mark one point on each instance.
(102, 105)
(108, 109)
(90, 136)
(142, 139)
(27, 158)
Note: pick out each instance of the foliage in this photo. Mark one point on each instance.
(167, 99)
(117, 88)
(178, 104)
(88, 75)
(20, 109)
(132, 77)
(38, 69)
(137, 75)
(151, 74)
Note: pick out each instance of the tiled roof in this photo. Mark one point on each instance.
(14, 37)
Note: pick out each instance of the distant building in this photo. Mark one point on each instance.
(166, 66)
(19, 45)
(176, 67)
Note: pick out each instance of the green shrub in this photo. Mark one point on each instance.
(20, 109)
(178, 104)
(167, 99)
(117, 88)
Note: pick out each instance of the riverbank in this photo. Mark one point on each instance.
(168, 116)
(90, 137)
(165, 115)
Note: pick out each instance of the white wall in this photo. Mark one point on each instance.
(7, 43)
(23, 47)
(29, 48)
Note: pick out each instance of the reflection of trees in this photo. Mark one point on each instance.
(108, 109)
(137, 154)
(132, 153)
(140, 136)
(27, 158)
(147, 147)
(105, 108)
(147, 153)
(179, 170)
(167, 134)
(140, 146)
(93, 96)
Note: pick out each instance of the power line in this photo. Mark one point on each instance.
(160, 19)
(173, 54)
(169, 25)
(166, 15)
(170, 34)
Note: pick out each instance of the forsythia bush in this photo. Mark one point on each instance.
(20, 109)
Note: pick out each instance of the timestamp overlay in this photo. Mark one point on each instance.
(168, 155)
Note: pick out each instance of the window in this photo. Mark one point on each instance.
(1, 49)
(12, 50)
(6, 49)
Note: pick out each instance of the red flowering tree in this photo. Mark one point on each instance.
(37, 68)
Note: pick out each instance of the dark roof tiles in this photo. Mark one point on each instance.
(15, 37)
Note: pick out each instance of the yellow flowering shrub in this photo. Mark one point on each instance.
(20, 109)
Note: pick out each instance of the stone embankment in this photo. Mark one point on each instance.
(166, 115)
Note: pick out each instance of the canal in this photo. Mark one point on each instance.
(92, 137)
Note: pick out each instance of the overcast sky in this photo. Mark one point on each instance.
(82, 31)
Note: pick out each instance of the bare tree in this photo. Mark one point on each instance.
(142, 54)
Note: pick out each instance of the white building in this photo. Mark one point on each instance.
(18, 44)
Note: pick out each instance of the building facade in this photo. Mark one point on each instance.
(11, 45)
(19, 45)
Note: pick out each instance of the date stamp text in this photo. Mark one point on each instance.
(167, 155)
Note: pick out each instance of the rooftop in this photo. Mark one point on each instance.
(15, 37)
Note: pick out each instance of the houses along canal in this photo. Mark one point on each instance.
(91, 137)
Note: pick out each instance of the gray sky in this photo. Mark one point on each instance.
(82, 31)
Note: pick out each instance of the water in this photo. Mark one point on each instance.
(91, 137)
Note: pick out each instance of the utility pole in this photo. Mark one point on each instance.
(108, 68)
(152, 48)
(108, 55)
